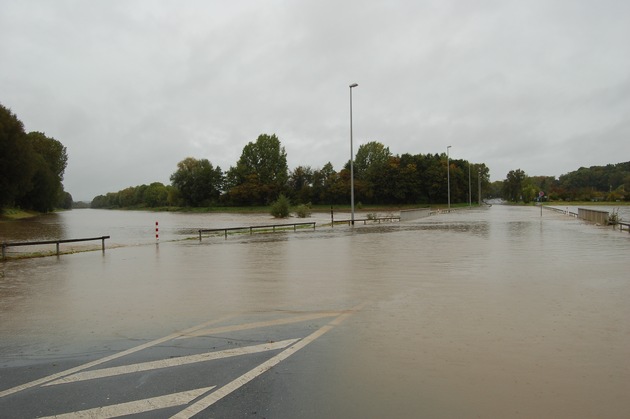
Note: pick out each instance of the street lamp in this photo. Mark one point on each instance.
(351, 159)
(448, 178)
(479, 185)
(469, 188)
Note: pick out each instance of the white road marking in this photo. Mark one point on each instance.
(217, 395)
(257, 325)
(172, 362)
(178, 399)
(108, 358)
(135, 407)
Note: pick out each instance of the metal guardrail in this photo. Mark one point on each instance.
(561, 211)
(365, 220)
(252, 228)
(56, 242)
(595, 216)
(622, 225)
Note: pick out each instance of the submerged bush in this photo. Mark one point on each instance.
(613, 218)
(280, 208)
(303, 211)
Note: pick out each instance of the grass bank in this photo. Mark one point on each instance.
(9, 214)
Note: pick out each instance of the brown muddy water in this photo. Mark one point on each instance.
(499, 312)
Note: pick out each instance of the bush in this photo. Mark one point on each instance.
(280, 208)
(303, 211)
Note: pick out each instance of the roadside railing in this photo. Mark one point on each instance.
(594, 216)
(366, 220)
(251, 229)
(5, 245)
(414, 214)
(600, 217)
(562, 211)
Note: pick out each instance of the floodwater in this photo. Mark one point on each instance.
(497, 312)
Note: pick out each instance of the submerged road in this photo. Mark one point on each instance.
(488, 313)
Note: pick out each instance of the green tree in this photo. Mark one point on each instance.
(53, 152)
(370, 163)
(371, 159)
(595, 181)
(301, 184)
(529, 192)
(480, 174)
(329, 187)
(513, 185)
(99, 201)
(16, 159)
(109, 200)
(50, 159)
(127, 197)
(198, 182)
(434, 178)
(263, 162)
(31, 166)
(65, 201)
(156, 195)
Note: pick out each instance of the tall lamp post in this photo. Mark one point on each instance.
(479, 186)
(469, 188)
(448, 178)
(351, 159)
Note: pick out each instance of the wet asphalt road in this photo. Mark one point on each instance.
(254, 365)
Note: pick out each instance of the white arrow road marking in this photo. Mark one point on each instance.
(172, 362)
(108, 358)
(178, 399)
(234, 385)
(135, 407)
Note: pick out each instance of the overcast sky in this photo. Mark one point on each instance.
(133, 87)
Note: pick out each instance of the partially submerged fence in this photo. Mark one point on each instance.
(251, 229)
(5, 245)
(562, 211)
(595, 216)
(414, 214)
(366, 220)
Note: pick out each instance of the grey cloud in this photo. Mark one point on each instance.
(140, 85)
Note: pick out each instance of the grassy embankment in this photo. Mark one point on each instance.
(7, 214)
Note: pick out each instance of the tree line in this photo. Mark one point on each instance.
(32, 166)
(261, 176)
(596, 183)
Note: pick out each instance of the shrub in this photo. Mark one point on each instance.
(280, 208)
(303, 211)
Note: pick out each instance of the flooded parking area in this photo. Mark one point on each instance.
(496, 312)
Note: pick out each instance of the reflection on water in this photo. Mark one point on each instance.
(43, 227)
(494, 313)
